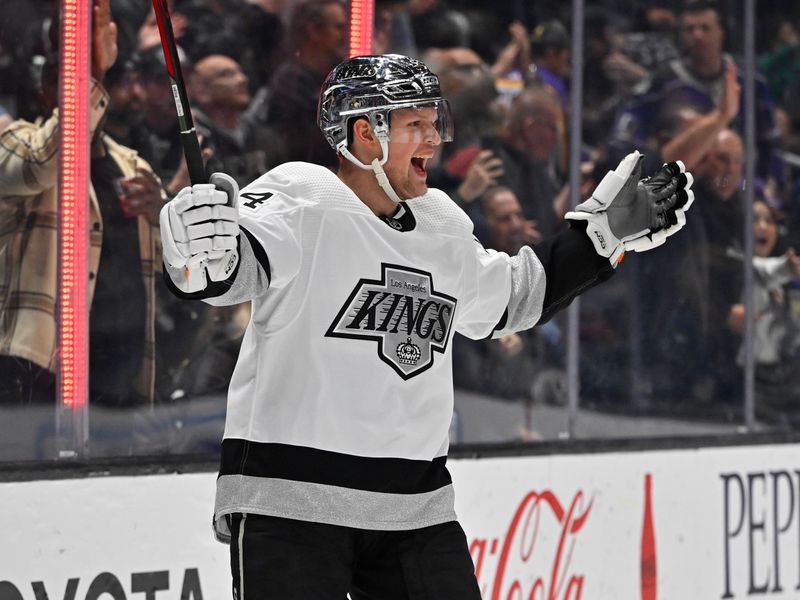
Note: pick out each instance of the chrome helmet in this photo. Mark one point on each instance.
(372, 87)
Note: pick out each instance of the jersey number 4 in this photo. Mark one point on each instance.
(255, 199)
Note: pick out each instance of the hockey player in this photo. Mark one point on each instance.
(333, 476)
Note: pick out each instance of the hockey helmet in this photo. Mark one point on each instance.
(372, 87)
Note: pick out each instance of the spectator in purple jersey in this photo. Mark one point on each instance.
(697, 79)
(550, 51)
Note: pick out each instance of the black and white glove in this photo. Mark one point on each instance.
(199, 233)
(626, 213)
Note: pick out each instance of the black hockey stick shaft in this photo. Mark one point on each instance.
(191, 146)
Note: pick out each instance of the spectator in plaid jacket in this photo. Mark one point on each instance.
(124, 241)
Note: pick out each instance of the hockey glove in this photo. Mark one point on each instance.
(626, 213)
(199, 233)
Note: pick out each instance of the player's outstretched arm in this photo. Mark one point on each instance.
(201, 238)
(626, 212)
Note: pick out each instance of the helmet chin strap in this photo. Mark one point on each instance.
(376, 166)
(380, 175)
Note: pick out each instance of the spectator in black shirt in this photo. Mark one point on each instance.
(525, 145)
(318, 37)
(694, 284)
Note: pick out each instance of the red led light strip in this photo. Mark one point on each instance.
(73, 177)
(361, 15)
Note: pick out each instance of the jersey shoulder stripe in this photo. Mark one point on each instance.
(259, 252)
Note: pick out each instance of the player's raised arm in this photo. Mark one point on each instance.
(625, 212)
(202, 247)
(200, 237)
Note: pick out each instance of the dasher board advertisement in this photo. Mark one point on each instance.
(701, 524)
(688, 524)
(146, 537)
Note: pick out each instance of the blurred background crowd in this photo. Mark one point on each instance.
(662, 340)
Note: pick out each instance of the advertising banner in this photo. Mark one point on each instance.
(683, 524)
(112, 538)
(689, 524)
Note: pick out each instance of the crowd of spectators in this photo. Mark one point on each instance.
(664, 78)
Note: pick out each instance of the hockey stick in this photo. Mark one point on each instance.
(191, 146)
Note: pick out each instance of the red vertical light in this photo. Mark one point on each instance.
(361, 16)
(73, 177)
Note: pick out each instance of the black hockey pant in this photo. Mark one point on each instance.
(283, 559)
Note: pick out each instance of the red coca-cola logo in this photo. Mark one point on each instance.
(533, 560)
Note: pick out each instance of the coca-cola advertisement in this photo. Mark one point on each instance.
(689, 524)
(517, 560)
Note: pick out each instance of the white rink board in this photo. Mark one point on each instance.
(54, 531)
(154, 531)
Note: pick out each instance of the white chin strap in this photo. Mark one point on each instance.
(376, 166)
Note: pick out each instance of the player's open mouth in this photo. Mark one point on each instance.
(418, 163)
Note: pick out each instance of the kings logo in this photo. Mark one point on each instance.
(402, 313)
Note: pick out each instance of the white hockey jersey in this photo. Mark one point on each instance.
(341, 400)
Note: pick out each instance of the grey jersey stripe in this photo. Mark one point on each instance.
(251, 278)
(528, 283)
(329, 504)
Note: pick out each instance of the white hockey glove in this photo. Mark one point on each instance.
(199, 233)
(625, 213)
